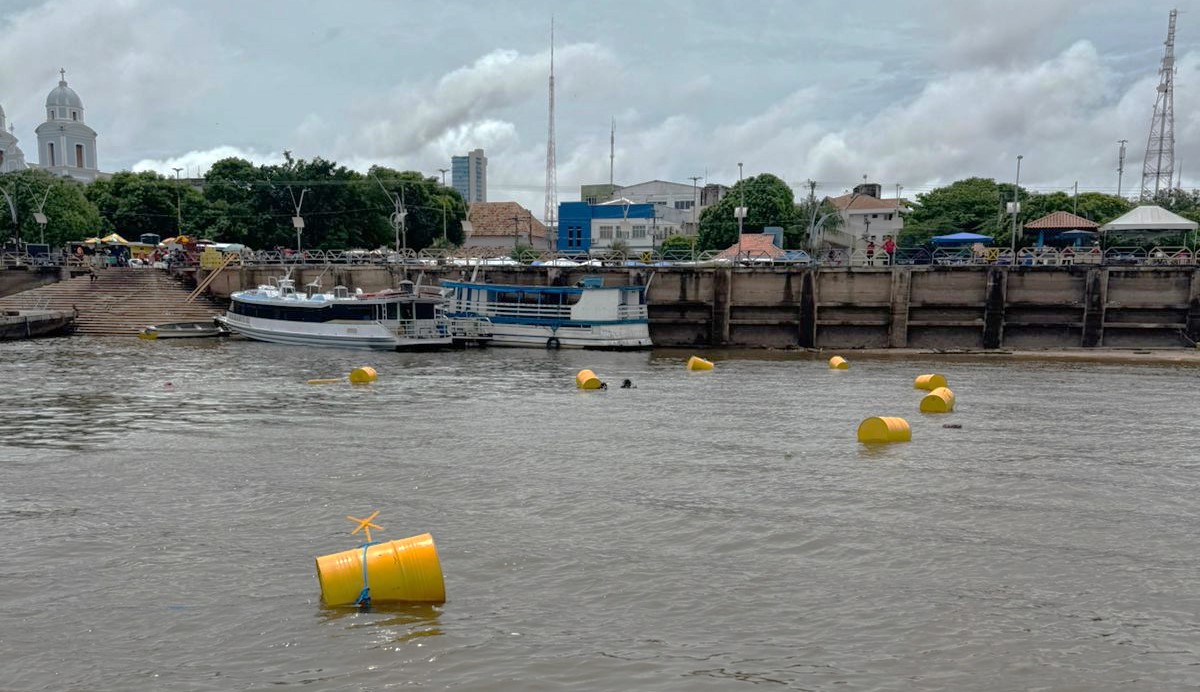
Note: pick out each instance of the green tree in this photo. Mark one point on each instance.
(135, 203)
(71, 216)
(678, 246)
(973, 205)
(769, 202)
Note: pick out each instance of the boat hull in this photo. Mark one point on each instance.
(634, 336)
(367, 336)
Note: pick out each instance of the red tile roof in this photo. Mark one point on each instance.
(497, 219)
(851, 201)
(1062, 220)
(752, 246)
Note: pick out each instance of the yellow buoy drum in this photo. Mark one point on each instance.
(698, 363)
(402, 571)
(883, 429)
(839, 363)
(363, 375)
(940, 400)
(929, 382)
(586, 379)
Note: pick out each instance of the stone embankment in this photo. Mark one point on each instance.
(119, 302)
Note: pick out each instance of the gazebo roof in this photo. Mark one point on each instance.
(1149, 218)
(1061, 220)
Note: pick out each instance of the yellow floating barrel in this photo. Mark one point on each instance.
(325, 380)
(403, 571)
(363, 375)
(940, 400)
(929, 382)
(839, 363)
(883, 429)
(586, 379)
(698, 363)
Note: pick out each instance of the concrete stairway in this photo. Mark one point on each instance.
(120, 302)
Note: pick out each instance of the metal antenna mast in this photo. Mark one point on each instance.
(1158, 171)
(612, 150)
(551, 211)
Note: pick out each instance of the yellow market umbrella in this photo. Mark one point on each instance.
(114, 238)
(91, 241)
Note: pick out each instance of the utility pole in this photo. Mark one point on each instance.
(812, 206)
(1120, 164)
(516, 230)
(740, 212)
(695, 204)
(398, 215)
(1075, 199)
(178, 209)
(443, 172)
(1016, 208)
(444, 239)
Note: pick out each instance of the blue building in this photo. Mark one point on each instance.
(584, 227)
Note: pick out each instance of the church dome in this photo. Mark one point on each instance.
(63, 95)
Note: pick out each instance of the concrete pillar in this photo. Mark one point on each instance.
(807, 338)
(1095, 299)
(993, 310)
(901, 291)
(722, 283)
(1193, 315)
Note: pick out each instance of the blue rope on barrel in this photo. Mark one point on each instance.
(364, 596)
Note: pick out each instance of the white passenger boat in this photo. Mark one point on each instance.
(584, 316)
(397, 319)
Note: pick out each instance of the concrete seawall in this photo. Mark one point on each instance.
(975, 307)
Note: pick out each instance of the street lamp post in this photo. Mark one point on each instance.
(1016, 208)
(12, 208)
(178, 209)
(298, 220)
(443, 172)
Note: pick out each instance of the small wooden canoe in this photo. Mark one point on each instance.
(183, 330)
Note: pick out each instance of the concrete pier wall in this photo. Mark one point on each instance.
(874, 307)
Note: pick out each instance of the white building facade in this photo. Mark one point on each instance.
(66, 145)
(12, 159)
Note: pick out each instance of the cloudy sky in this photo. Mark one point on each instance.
(908, 92)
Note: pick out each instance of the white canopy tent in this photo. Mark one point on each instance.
(1149, 219)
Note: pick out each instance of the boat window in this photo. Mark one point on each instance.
(393, 311)
(425, 311)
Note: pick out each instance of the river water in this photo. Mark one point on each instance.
(705, 530)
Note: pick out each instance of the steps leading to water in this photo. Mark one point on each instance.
(120, 302)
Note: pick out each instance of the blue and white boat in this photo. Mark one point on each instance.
(388, 320)
(584, 316)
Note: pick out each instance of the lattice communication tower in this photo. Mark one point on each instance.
(1159, 168)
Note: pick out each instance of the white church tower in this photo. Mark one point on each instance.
(66, 146)
(11, 157)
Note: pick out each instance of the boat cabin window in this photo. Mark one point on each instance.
(340, 292)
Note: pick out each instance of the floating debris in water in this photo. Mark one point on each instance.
(952, 425)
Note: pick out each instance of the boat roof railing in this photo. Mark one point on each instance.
(510, 288)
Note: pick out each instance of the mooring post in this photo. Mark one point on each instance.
(722, 290)
(993, 311)
(901, 293)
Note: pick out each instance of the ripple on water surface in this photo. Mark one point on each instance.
(703, 530)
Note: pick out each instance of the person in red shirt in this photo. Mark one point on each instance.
(889, 247)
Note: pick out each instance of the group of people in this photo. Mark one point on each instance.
(889, 250)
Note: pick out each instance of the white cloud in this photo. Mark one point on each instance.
(196, 163)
